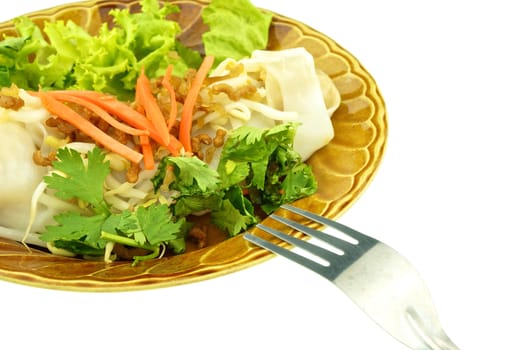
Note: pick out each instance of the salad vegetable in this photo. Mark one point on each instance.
(256, 162)
(64, 55)
(236, 29)
(125, 149)
(75, 119)
(83, 180)
(188, 106)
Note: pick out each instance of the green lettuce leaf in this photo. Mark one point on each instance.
(29, 61)
(237, 28)
(64, 55)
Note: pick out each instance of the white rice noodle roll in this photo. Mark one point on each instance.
(48, 207)
(28, 115)
(270, 112)
(19, 175)
(330, 92)
(15, 235)
(29, 100)
(38, 133)
(293, 85)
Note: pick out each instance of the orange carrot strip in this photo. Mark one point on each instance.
(125, 113)
(134, 118)
(109, 103)
(101, 113)
(174, 146)
(173, 102)
(69, 115)
(149, 103)
(185, 125)
(148, 154)
(120, 109)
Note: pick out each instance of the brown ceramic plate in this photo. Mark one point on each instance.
(343, 168)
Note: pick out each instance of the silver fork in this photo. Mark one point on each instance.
(376, 277)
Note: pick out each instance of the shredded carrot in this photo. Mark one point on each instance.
(100, 112)
(173, 102)
(147, 100)
(125, 113)
(175, 146)
(109, 103)
(120, 109)
(148, 123)
(148, 154)
(69, 115)
(185, 125)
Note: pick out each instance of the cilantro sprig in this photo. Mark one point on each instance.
(73, 179)
(257, 167)
(88, 233)
(264, 162)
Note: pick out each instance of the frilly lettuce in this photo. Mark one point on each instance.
(63, 55)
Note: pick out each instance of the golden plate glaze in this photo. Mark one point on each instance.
(343, 168)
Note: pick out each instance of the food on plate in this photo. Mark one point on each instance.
(149, 145)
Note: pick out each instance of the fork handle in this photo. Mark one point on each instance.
(432, 339)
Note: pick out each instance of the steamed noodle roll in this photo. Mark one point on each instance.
(280, 86)
(19, 176)
(15, 235)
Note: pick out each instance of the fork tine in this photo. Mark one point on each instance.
(331, 240)
(299, 259)
(326, 255)
(331, 223)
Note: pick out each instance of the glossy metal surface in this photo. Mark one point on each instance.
(382, 282)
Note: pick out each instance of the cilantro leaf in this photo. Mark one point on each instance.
(234, 222)
(229, 218)
(126, 224)
(246, 143)
(290, 184)
(157, 225)
(73, 227)
(265, 163)
(191, 175)
(298, 182)
(78, 180)
(79, 248)
(233, 172)
(186, 205)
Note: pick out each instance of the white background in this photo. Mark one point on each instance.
(450, 195)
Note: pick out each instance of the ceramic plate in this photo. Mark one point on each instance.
(343, 168)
